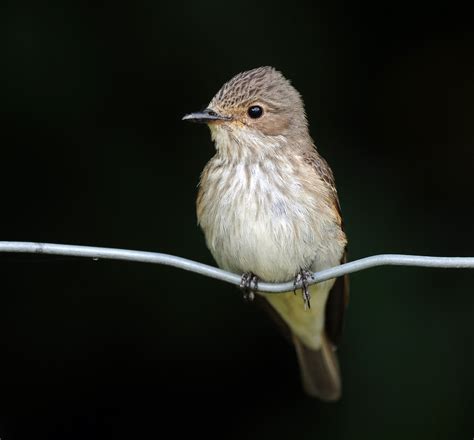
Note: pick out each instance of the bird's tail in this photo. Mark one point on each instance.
(319, 370)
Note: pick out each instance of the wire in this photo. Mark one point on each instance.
(97, 253)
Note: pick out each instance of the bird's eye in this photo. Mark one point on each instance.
(255, 111)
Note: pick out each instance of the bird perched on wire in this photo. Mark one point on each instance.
(268, 206)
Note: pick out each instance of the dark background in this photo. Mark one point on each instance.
(94, 152)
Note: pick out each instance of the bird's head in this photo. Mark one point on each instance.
(257, 108)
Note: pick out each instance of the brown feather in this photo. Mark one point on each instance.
(336, 305)
(319, 370)
(338, 298)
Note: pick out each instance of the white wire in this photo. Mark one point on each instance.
(219, 274)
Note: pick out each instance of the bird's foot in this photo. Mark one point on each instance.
(249, 285)
(302, 278)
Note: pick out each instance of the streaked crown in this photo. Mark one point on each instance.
(264, 87)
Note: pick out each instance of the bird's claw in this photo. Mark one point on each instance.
(302, 278)
(249, 285)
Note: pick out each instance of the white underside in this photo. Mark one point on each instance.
(259, 219)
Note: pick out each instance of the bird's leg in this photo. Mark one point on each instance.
(302, 278)
(249, 285)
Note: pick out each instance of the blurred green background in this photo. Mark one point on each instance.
(94, 152)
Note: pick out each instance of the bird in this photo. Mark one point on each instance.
(268, 206)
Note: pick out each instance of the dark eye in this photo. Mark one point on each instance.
(255, 111)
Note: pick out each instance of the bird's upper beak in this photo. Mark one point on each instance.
(205, 116)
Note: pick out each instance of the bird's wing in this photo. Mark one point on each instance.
(338, 298)
(336, 305)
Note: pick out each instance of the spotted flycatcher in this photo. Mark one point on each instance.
(268, 206)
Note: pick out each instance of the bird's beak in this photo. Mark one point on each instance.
(205, 117)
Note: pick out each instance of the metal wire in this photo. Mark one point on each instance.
(219, 274)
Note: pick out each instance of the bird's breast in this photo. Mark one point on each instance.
(260, 218)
